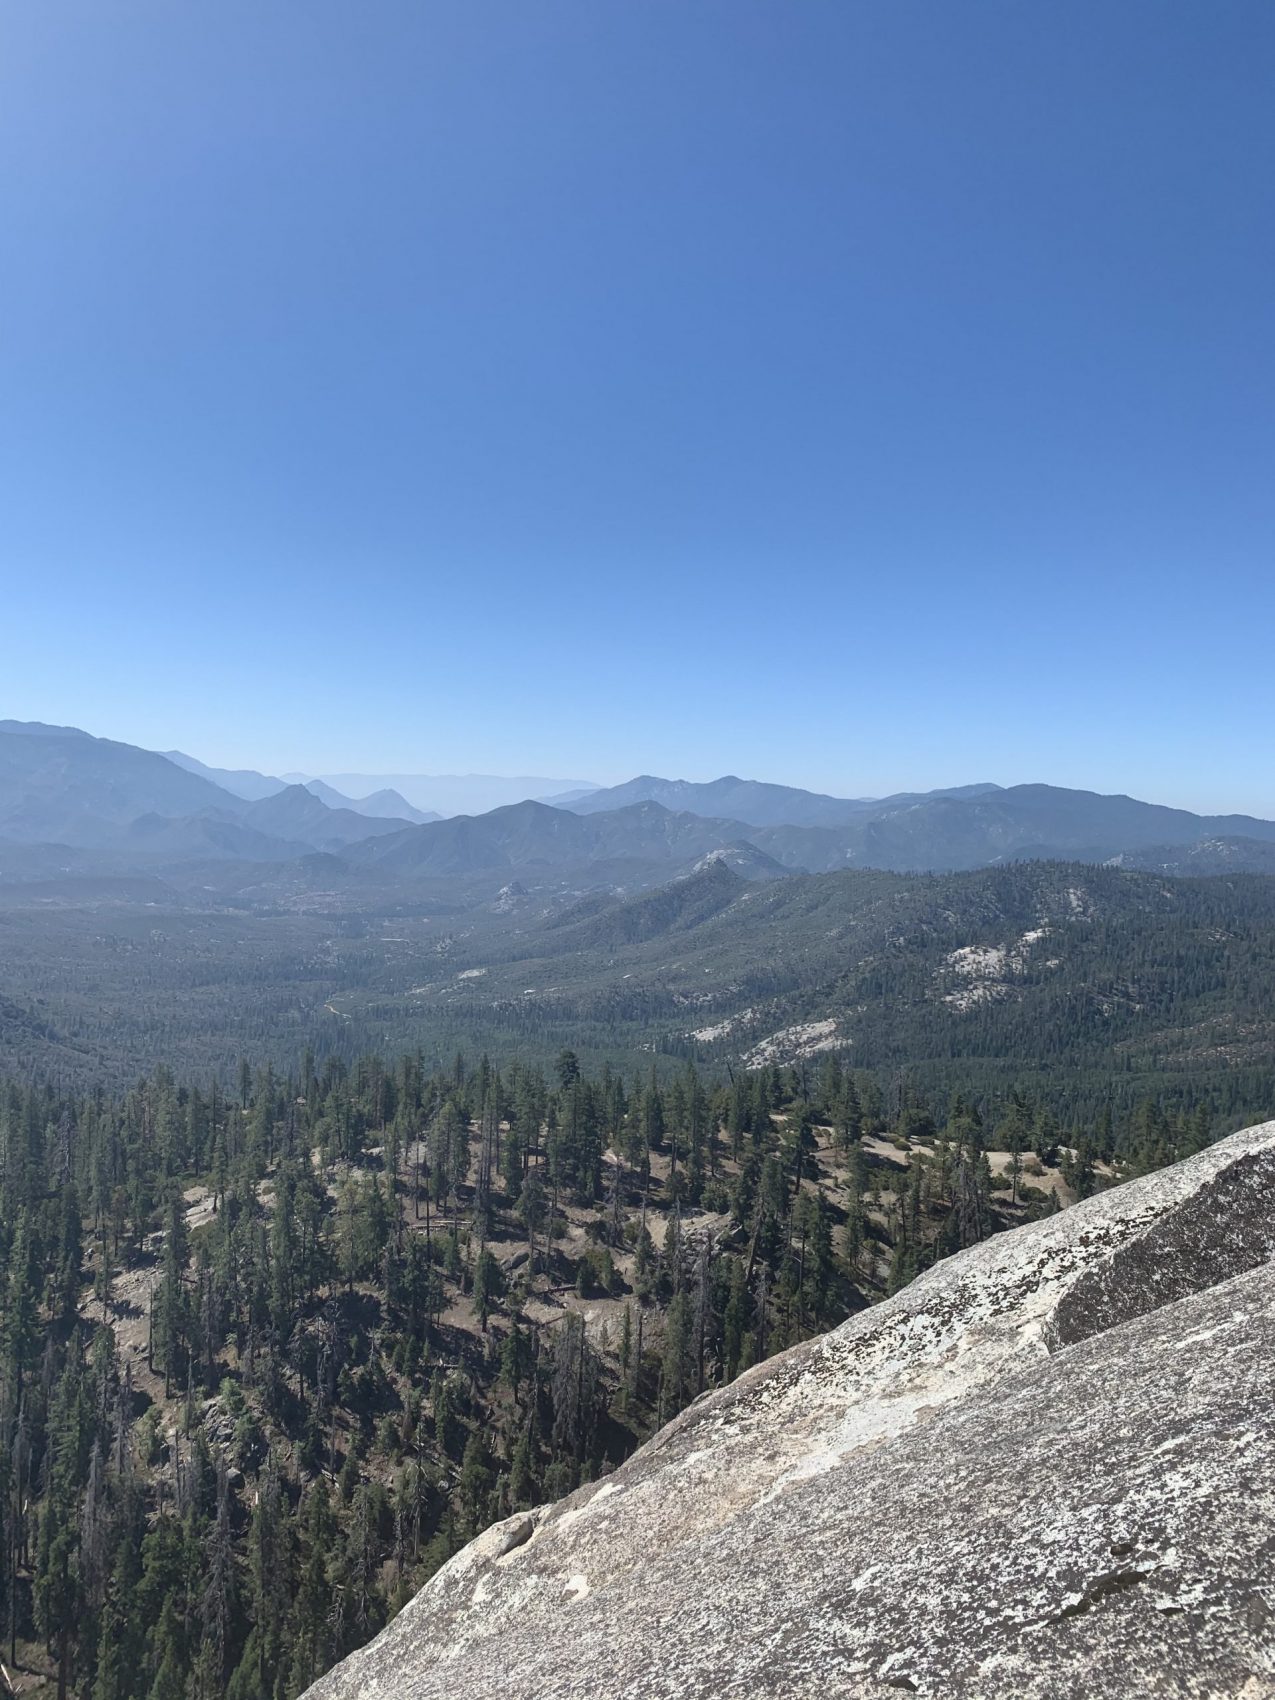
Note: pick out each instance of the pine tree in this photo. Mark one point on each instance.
(676, 1369)
(220, 1596)
(170, 1303)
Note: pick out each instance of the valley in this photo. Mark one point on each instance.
(1087, 980)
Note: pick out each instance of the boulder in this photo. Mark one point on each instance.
(1045, 1469)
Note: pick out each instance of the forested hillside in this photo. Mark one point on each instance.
(1081, 981)
(269, 1355)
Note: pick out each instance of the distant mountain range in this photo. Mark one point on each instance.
(60, 786)
(144, 812)
(626, 844)
(415, 797)
(385, 804)
(254, 787)
(970, 826)
(445, 794)
(944, 832)
(748, 800)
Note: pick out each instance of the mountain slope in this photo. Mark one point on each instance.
(243, 782)
(943, 834)
(1204, 858)
(388, 804)
(838, 1520)
(58, 784)
(297, 814)
(381, 805)
(447, 794)
(212, 834)
(750, 800)
(747, 860)
(941, 831)
(533, 835)
(677, 908)
(1078, 972)
(728, 798)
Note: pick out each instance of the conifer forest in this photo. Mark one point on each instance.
(270, 1353)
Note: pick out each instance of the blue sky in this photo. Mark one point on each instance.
(865, 395)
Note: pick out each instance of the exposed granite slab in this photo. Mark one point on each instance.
(1046, 1469)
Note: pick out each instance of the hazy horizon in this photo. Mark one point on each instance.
(373, 778)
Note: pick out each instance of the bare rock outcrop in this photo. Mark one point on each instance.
(1045, 1469)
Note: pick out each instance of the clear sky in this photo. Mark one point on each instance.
(859, 393)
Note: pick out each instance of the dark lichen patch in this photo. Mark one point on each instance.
(1221, 1230)
(1099, 1588)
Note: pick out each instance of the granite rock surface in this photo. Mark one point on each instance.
(1045, 1469)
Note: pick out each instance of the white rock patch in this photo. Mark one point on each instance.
(791, 1044)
